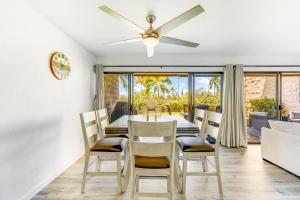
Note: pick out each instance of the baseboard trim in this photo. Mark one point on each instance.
(29, 195)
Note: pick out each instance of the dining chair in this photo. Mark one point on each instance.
(97, 146)
(199, 120)
(103, 121)
(152, 159)
(195, 146)
(152, 107)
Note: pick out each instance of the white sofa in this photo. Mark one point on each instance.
(281, 145)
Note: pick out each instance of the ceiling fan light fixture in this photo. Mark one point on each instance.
(151, 37)
(150, 41)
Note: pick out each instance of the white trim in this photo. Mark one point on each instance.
(272, 69)
(162, 69)
(198, 69)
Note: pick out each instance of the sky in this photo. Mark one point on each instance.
(179, 83)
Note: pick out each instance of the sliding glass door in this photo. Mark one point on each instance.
(290, 97)
(262, 100)
(175, 93)
(274, 95)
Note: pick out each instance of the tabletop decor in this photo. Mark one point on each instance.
(59, 65)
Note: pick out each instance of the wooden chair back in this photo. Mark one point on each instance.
(200, 119)
(103, 121)
(167, 130)
(90, 128)
(213, 126)
(185, 108)
(151, 106)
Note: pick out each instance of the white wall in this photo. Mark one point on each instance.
(40, 133)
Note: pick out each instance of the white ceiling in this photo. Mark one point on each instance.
(231, 28)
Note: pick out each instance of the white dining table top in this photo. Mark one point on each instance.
(121, 124)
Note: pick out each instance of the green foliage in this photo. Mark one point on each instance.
(158, 84)
(263, 104)
(160, 90)
(212, 100)
(176, 103)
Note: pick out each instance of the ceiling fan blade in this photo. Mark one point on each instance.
(179, 20)
(124, 41)
(150, 51)
(169, 40)
(122, 19)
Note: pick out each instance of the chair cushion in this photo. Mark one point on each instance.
(152, 162)
(186, 135)
(115, 144)
(192, 144)
(117, 136)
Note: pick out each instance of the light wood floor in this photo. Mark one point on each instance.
(245, 176)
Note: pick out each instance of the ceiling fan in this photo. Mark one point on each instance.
(151, 37)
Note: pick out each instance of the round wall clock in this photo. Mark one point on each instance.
(59, 65)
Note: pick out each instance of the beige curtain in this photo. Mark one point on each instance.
(99, 101)
(234, 116)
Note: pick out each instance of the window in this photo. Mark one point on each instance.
(208, 91)
(169, 91)
(116, 90)
(176, 93)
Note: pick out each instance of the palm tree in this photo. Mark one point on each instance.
(174, 91)
(158, 84)
(141, 80)
(214, 83)
(123, 79)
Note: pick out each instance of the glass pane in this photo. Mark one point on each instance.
(168, 92)
(116, 90)
(260, 99)
(208, 92)
(290, 97)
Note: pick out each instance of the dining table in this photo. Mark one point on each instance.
(120, 126)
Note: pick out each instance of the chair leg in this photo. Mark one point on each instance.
(177, 172)
(137, 183)
(86, 164)
(133, 181)
(119, 172)
(126, 173)
(204, 164)
(218, 174)
(170, 185)
(99, 160)
(184, 171)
